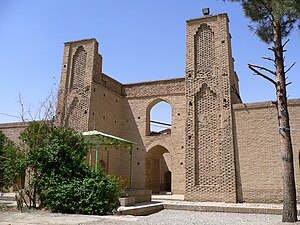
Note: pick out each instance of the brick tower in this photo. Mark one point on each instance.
(81, 62)
(210, 79)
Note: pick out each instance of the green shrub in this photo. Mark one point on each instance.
(94, 194)
(60, 179)
(55, 150)
(12, 164)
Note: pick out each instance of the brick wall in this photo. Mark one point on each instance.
(13, 130)
(90, 99)
(210, 163)
(127, 116)
(140, 98)
(155, 88)
(105, 108)
(258, 145)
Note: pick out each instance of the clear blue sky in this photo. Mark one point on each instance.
(139, 40)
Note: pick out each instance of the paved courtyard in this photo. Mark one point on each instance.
(163, 217)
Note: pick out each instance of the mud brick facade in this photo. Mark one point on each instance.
(218, 148)
(210, 164)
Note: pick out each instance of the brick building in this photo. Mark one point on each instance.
(218, 149)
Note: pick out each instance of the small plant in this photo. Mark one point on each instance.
(2, 206)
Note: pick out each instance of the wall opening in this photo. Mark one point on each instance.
(159, 119)
(158, 170)
(166, 185)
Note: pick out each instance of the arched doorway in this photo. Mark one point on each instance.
(158, 171)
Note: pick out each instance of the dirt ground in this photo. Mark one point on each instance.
(12, 216)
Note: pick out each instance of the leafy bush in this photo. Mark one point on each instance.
(12, 164)
(57, 150)
(95, 194)
(61, 180)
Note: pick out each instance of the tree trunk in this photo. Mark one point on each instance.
(289, 190)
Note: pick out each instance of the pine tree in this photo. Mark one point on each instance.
(273, 21)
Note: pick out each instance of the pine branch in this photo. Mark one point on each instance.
(267, 58)
(290, 68)
(285, 43)
(288, 84)
(270, 59)
(262, 75)
(271, 49)
(265, 4)
(263, 68)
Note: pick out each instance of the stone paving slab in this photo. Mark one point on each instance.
(168, 203)
(160, 197)
(140, 209)
(164, 217)
(7, 196)
(252, 208)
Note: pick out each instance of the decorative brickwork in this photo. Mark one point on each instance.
(210, 168)
(204, 51)
(77, 97)
(207, 135)
(78, 71)
(75, 85)
(77, 104)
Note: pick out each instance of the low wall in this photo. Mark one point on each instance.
(139, 195)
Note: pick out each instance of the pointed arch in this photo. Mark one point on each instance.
(78, 69)
(208, 133)
(158, 171)
(159, 115)
(204, 50)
